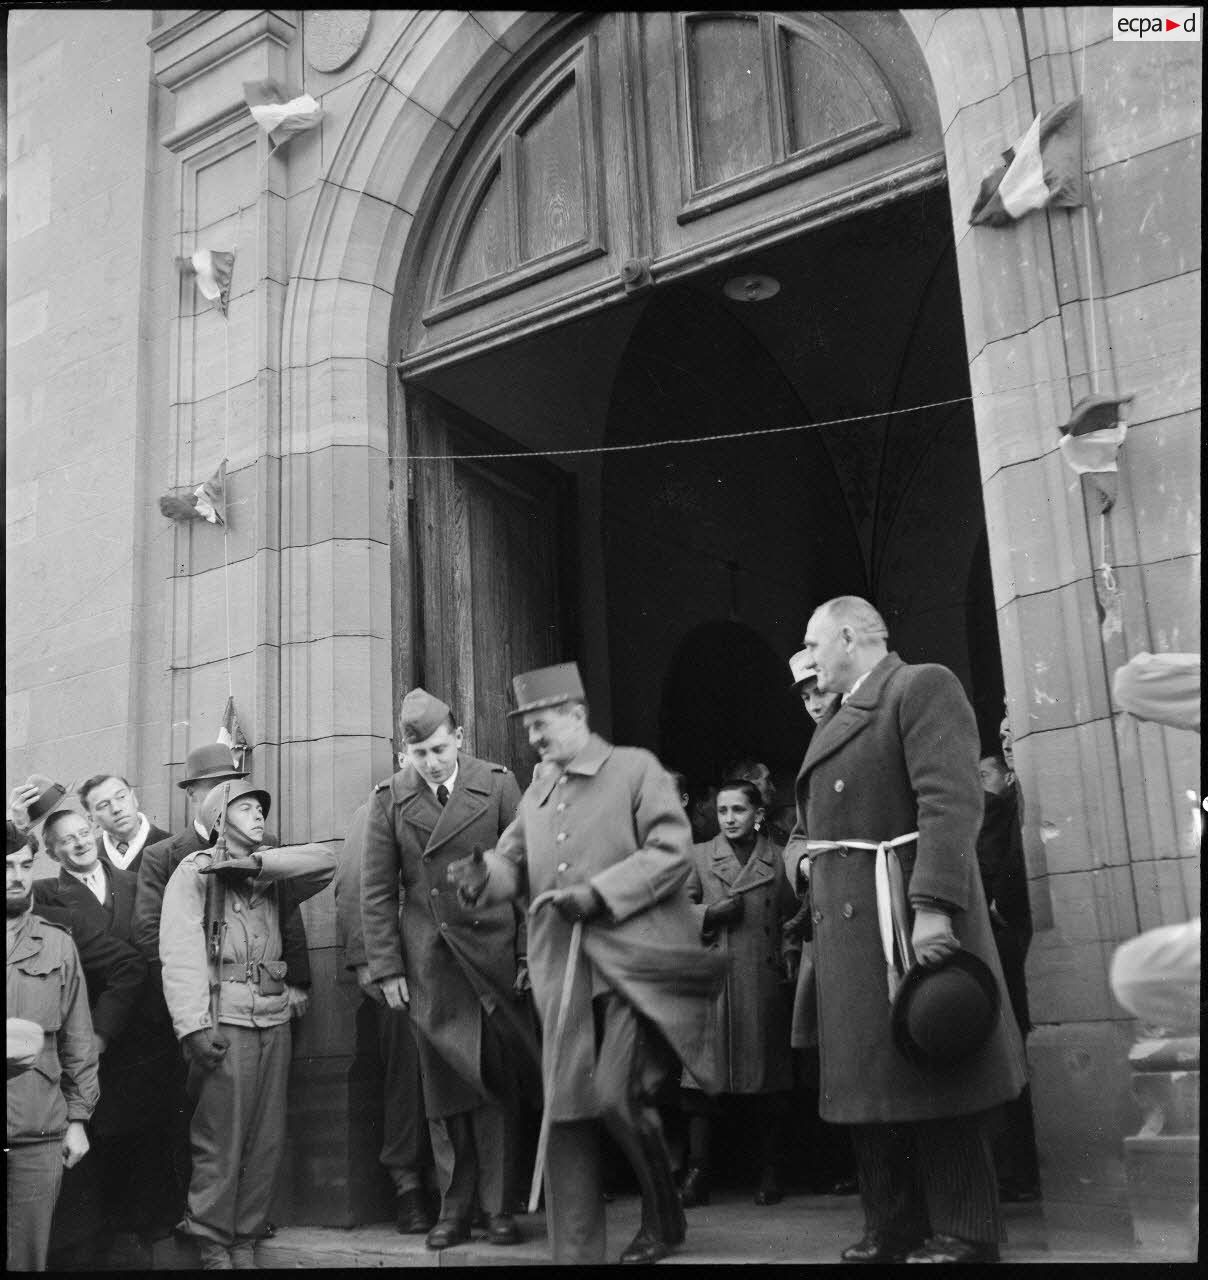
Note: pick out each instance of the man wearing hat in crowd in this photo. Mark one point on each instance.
(805, 685)
(52, 1076)
(601, 839)
(453, 967)
(889, 795)
(124, 832)
(128, 1172)
(239, 1069)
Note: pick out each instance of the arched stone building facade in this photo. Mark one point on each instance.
(316, 388)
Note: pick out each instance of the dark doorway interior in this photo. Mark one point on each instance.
(697, 565)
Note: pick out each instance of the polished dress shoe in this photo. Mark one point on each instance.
(953, 1249)
(644, 1249)
(448, 1232)
(695, 1190)
(875, 1247)
(770, 1191)
(502, 1229)
(412, 1216)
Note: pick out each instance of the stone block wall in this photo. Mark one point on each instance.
(1110, 832)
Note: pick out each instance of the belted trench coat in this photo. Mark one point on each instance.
(612, 818)
(458, 961)
(899, 756)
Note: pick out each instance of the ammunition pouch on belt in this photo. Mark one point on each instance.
(267, 976)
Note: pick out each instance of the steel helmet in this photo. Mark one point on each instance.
(211, 806)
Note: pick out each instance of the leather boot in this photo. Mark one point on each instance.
(214, 1256)
(695, 1190)
(675, 1224)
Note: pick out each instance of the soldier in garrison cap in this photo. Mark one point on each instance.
(456, 967)
(601, 837)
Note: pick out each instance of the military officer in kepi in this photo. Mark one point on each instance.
(602, 847)
(454, 966)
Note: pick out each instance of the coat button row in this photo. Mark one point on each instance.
(434, 891)
(839, 784)
(563, 866)
(848, 911)
(817, 917)
(561, 808)
(560, 836)
(235, 905)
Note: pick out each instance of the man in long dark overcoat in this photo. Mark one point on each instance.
(899, 755)
(454, 967)
(601, 837)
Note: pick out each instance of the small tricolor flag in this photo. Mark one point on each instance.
(1091, 440)
(206, 502)
(1042, 170)
(231, 735)
(212, 269)
(279, 118)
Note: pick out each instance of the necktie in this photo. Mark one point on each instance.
(442, 795)
(96, 882)
(122, 847)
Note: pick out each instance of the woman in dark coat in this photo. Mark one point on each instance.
(743, 899)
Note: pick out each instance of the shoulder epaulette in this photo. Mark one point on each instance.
(499, 768)
(381, 786)
(64, 925)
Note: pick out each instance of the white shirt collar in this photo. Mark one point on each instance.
(94, 879)
(201, 831)
(859, 681)
(448, 782)
(123, 860)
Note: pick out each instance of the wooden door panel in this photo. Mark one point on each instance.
(489, 543)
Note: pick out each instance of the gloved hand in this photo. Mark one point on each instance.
(234, 869)
(727, 911)
(800, 926)
(469, 876)
(395, 992)
(204, 1047)
(575, 902)
(521, 983)
(932, 937)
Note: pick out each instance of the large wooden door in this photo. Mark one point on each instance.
(491, 542)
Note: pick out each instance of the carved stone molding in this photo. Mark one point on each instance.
(333, 37)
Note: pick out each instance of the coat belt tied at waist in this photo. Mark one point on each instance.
(891, 900)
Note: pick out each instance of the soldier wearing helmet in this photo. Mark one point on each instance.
(237, 1070)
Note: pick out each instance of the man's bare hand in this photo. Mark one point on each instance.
(370, 988)
(99, 1043)
(19, 800)
(205, 1048)
(932, 938)
(395, 991)
(299, 1000)
(75, 1144)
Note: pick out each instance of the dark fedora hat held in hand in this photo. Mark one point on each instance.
(50, 793)
(945, 1014)
(213, 760)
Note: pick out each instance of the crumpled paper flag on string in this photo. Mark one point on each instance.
(230, 734)
(279, 118)
(212, 269)
(206, 502)
(1091, 440)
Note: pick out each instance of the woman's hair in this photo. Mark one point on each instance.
(747, 787)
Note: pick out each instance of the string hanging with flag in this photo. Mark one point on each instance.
(279, 117)
(212, 270)
(230, 734)
(1043, 170)
(206, 502)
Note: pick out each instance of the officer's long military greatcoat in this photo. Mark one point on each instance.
(613, 819)
(899, 756)
(458, 962)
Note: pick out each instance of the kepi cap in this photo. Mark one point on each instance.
(211, 760)
(944, 1014)
(548, 687)
(802, 668)
(421, 715)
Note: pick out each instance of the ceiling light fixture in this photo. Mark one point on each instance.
(753, 288)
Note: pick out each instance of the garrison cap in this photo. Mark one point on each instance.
(422, 715)
(802, 668)
(548, 687)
